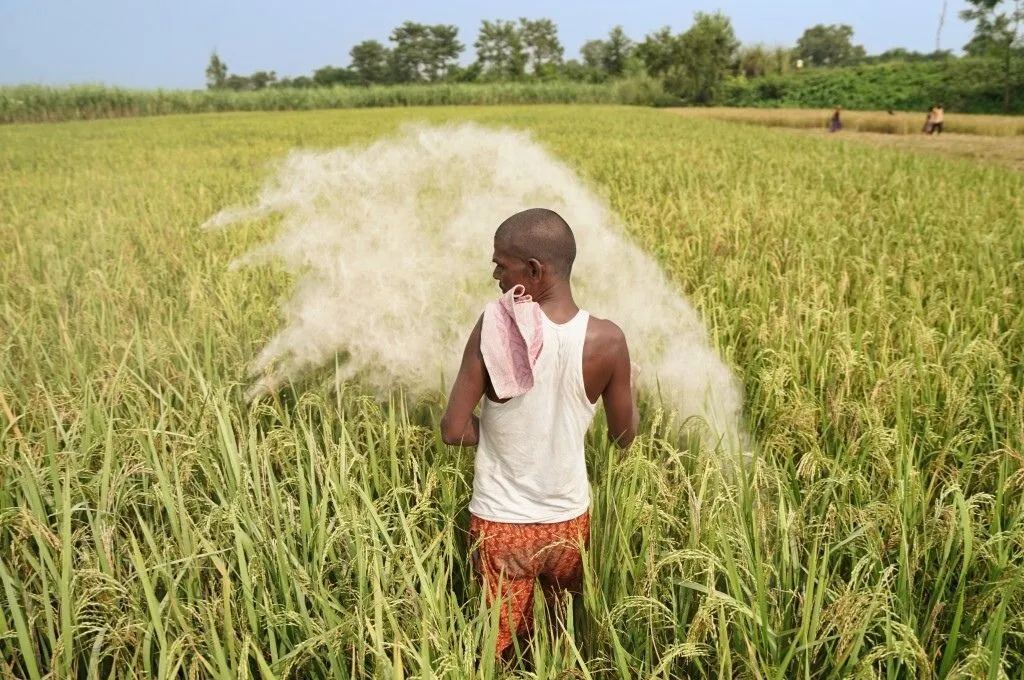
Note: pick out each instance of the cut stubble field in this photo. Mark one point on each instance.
(896, 123)
(997, 139)
(154, 525)
(1008, 151)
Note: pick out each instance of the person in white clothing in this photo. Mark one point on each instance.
(529, 514)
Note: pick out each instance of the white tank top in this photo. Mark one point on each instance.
(529, 460)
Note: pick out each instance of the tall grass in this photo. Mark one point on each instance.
(36, 104)
(152, 525)
(897, 123)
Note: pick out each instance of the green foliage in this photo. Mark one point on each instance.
(577, 72)
(262, 79)
(997, 26)
(422, 52)
(593, 55)
(964, 85)
(543, 49)
(500, 50)
(997, 34)
(299, 83)
(216, 73)
(707, 49)
(831, 45)
(616, 53)
(369, 62)
(901, 54)
(256, 81)
(662, 55)
(602, 60)
(693, 65)
(704, 65)
(752, 61)
(34, 104)
(329, 76)
(468, 74)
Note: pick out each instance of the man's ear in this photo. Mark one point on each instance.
(536, 268)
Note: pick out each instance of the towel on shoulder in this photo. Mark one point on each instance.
(511, 339)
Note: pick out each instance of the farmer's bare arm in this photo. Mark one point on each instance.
(459, 426)
(619, 401)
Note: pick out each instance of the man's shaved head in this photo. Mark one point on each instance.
(540, 234)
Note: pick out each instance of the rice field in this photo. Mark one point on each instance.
(152, 524)
(896, 123)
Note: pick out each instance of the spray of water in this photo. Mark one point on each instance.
(391, 243)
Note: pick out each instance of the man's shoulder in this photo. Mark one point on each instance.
(605, 334)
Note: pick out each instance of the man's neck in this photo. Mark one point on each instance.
(557, 303)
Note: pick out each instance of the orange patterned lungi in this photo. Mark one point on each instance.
(510, 558)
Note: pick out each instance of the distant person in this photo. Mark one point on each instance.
(937, 119)
(836, 123)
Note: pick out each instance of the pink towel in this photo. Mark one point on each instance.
(511, 339)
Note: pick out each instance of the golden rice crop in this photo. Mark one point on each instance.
(152, 524)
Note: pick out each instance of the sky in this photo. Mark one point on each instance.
(164, 43)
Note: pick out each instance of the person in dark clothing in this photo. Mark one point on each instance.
(836, 123)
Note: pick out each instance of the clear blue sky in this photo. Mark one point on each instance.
(167, 43)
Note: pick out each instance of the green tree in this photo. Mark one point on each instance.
(780, 60)
(707, 49)
(500, 50)
(593, 52)
(591, 68)
(262, 79)
(216, 73)
(422, 52)
(465, 74)
(543, 49)
(617, 50)
(330, 76)
(369, 62)
(661, 53)
(237, 82)
(299, 83)
(411, 52)
(829, 46)
(575, 71)
(752, 61)
(910, 56)
(444, 50)
(997, 26)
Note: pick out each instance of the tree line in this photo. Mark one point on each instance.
(694, 64)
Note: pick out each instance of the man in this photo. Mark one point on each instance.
(529, 514)
(938, 118)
